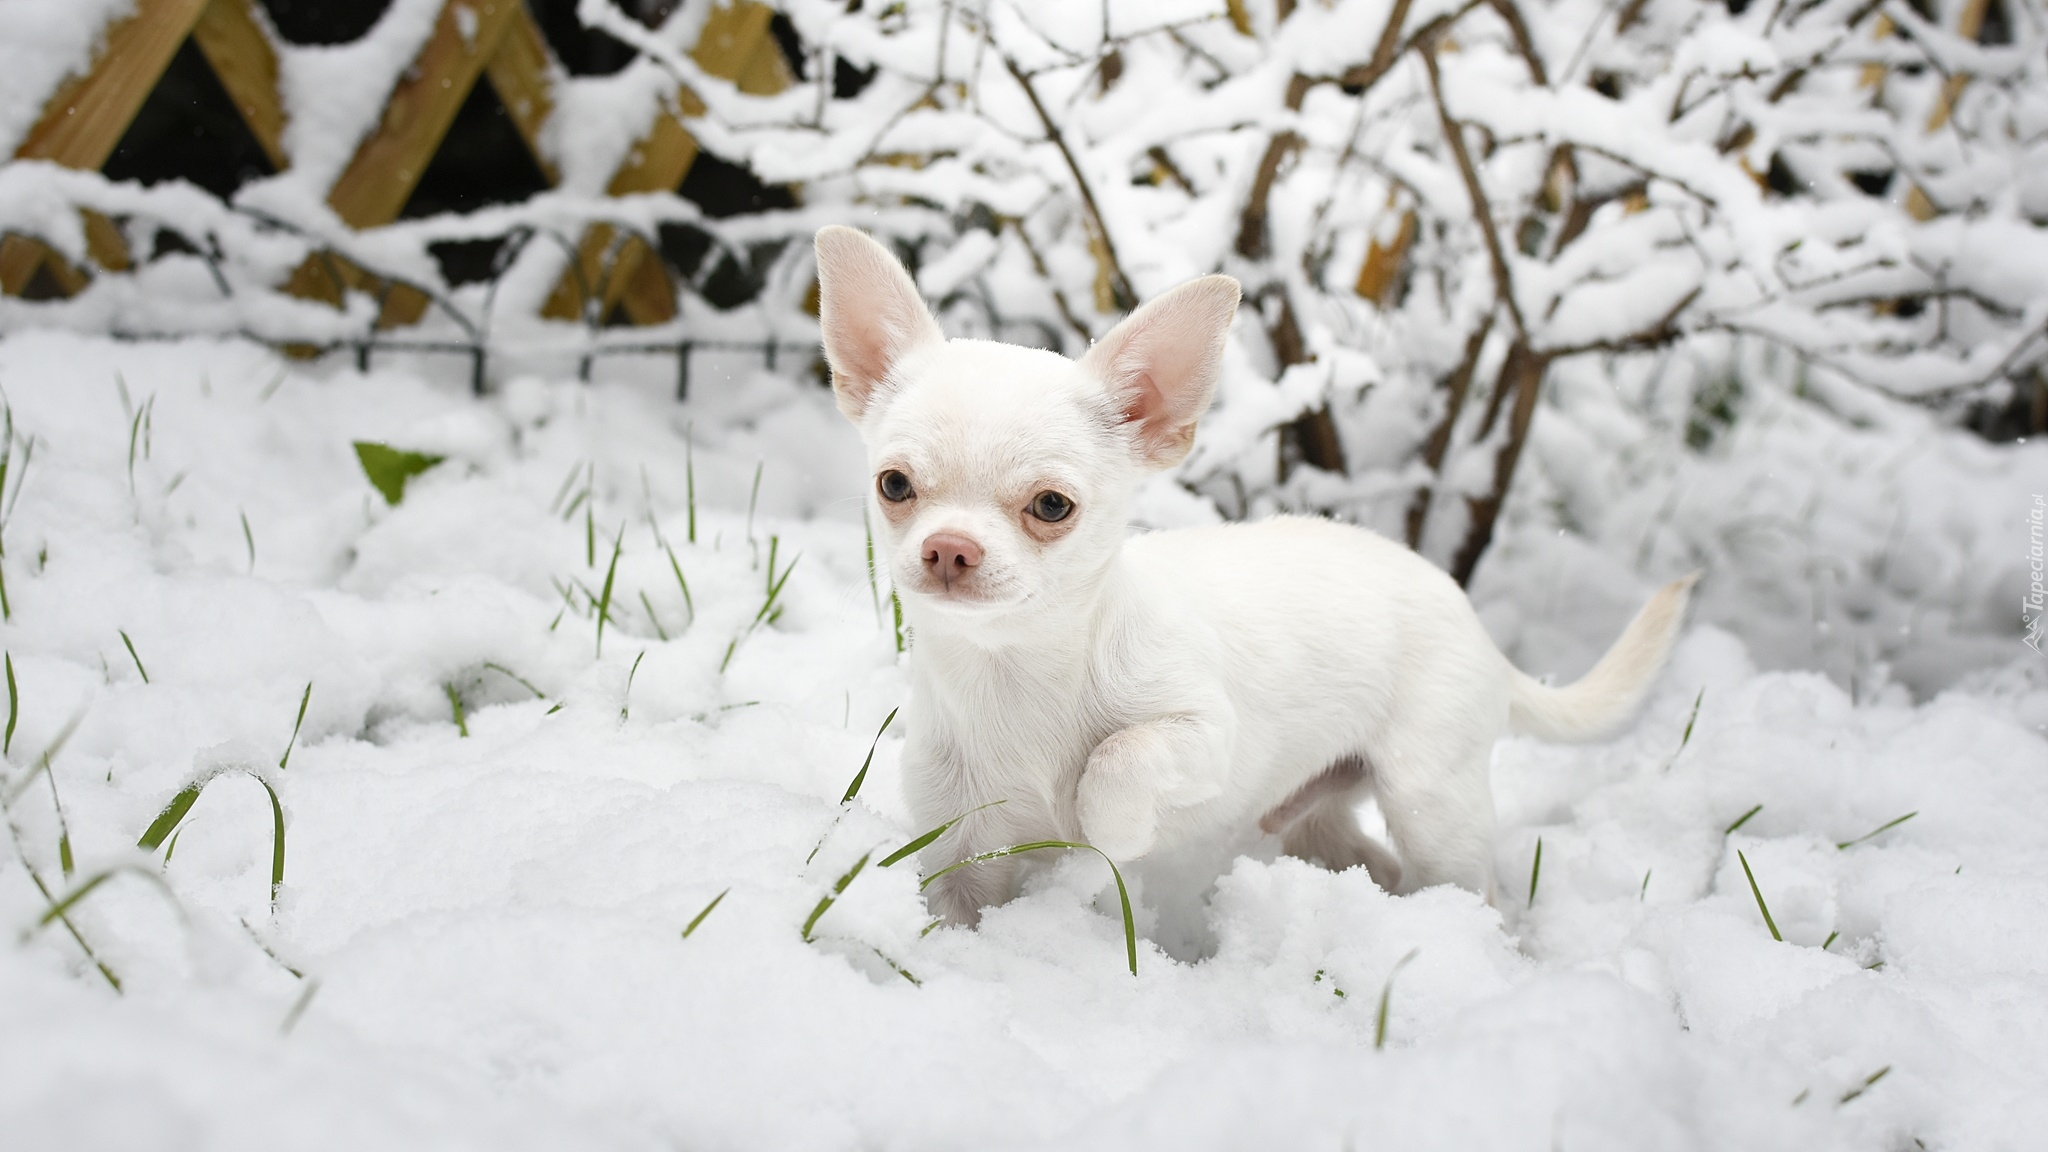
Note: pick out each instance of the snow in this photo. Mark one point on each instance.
(490, 927)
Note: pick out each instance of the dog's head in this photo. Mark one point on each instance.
(1002, 474)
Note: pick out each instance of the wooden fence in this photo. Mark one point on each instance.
(613, 275)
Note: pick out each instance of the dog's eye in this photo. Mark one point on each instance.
(894, 486)
(1051, 507)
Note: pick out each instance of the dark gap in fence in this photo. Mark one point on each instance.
(188, 129)
(324, 21)
(587, 51)
(481, 161)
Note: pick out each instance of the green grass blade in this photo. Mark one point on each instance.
(627, 701)
(1741, 820)
(753, 498)
(6, 608)
(899, 969)
(134, 438)
(58, 910)
(1692, 719)
(699, 917)
(276, 842)
(874, 585)
(688, 603)
(455, 707)
(167, 819)
(130, 645)
(896, 606)
(590, 536)
(61, 908)
(1758, 893)
(647, 606)
(838, 889)
(50, 899)
(522, 681)
(1644, 891)
(248, 538)
(1379, 1028)
(604, 599)
(690, 480)
(1846, 844)
(860, 777)
(568, 482)
(1830, 940)
(298, 1009)
(1123, 893)
(305, 698)
(13, 707)
(1535, 871)
(1860, 1089)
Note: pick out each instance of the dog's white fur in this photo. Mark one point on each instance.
(1144, 692)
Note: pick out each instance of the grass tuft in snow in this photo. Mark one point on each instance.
(130, 645)
(699, 917)
(1123, 893)
(181, 804)
(1379, 1027)
(305, 698)
(50, 899)
(1758, 893)
(1877, 831)
(769, 610)
(838, 889)
(1334, 990)
(61, 908)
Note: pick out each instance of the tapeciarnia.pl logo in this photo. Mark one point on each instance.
(2037, 595)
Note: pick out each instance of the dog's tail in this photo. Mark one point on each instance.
(1603, 699)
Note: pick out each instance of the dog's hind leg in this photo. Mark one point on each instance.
(1439, 812)
(1319, 823)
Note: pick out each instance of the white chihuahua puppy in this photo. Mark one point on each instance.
(1145, 692)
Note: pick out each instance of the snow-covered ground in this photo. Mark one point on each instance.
(479, 941)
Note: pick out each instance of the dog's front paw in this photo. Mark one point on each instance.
(1117, 818)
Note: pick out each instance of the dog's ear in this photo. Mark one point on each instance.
(870, 312)
(1161, 363)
